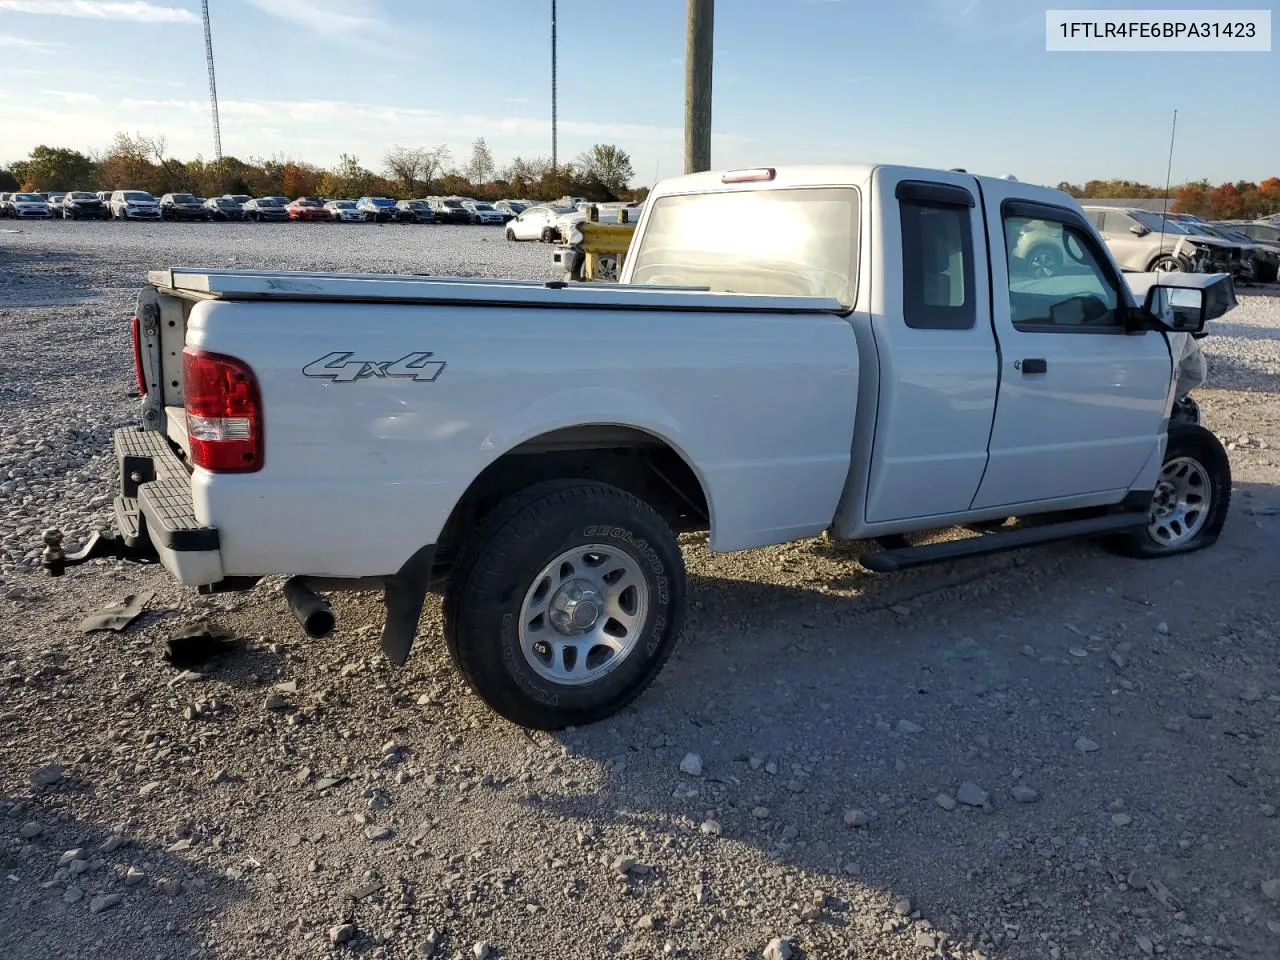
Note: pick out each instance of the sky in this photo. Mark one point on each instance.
(935, 83)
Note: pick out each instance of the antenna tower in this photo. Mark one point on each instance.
(213, 86)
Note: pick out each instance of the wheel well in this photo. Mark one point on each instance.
(633, 460)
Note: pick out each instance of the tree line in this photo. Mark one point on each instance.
(138, 162)
(1242, 200)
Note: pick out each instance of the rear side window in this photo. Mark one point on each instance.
(937, 266)
(791, 242)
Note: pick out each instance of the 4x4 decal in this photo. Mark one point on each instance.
(340, 368)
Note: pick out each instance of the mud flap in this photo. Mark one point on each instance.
(404, 595)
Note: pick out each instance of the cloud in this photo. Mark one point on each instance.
(25, 43)
(319, 131)
(335, 19)
(137, 10)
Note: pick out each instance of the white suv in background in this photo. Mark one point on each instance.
(134, 205)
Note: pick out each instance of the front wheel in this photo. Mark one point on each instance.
(1192, 495)
(511, 234)
(1167, 263)
(565, 603)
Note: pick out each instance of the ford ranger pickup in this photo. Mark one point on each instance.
(856, 351)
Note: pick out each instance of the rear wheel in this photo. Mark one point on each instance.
(1190, 502)
(1166, 263)
(511, 234)
(565, 603)
(1044, 261)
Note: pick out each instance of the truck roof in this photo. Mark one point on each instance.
(199, 284)
(832, 175)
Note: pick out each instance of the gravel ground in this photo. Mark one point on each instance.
(1051, 754)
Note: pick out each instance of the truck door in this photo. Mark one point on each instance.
(935, 348)
(1082, 400)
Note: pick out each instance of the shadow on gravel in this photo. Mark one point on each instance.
(1007, 756)
(48, 278)
(1226, 373)
(1244, 331)
(73, 888)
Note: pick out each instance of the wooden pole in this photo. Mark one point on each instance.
(697, 85)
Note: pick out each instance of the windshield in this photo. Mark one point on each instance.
(344, 204)
(1153, 222)
(719, 240)
(308, 203)
(183, 198)
(83, 196)
(131, 196)
(226, 202)
(451, 203)
(419, 205)
(29, 198)
(270, 202)
(481, 206)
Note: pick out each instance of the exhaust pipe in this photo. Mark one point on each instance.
(311, 609)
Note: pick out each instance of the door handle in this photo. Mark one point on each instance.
(1031, 365)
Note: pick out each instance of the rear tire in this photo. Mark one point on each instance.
(1191, 500)
(511, 236)
(553, 546)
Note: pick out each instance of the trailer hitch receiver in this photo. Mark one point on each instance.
(55, 560)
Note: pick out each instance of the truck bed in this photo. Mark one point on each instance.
(202, 284)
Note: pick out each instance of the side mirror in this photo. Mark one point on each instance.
(1139, 230)
(1177, 309)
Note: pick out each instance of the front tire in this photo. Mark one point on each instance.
(1191, 499)
(511, 235)
(565, 603)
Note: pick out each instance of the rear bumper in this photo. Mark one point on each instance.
(155, 504)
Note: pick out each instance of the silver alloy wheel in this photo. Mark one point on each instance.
(583, 614)
(607, 267)
(1181, 503)
(1166, 265)
(1043, 264)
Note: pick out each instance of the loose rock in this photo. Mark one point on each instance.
(342, 933)
(691, 764)
(779, 949)
(972, 795)
(1024, 794)
(1085, 745)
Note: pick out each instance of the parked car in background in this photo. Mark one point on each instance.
(266, 209)
(242, 198)
(134, 205)
(4, 201)
(536, 223)
(54, 200)
(417, 211)
(377, 209)
(1258, 230)
(83, 205)
(343, 211)
(104, 197)
(224, 208)
(27, 206)
(182, 206)
(510, 209)
(1143, 242)
(482, 213)
(449, 210)
(307, 208)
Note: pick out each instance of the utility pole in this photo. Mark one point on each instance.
(697, 85)
(554, 156)
(213, 86)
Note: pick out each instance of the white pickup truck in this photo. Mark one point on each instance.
(841, 349)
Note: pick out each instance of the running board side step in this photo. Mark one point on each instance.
(904, 558)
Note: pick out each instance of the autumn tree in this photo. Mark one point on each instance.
(299, 180)
(55, 168)
(608, 164)
(480, 168)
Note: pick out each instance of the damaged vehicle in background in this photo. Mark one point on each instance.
(1143, 242)
(1258, 261)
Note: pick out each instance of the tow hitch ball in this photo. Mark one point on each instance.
(55, 560)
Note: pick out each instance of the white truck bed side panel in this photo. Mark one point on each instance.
(358, 475)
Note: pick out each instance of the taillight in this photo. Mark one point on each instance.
(224, 412)
(137, 356)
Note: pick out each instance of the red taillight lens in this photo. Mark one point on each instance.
(137, 356)
(224, 412)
